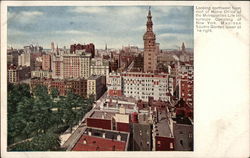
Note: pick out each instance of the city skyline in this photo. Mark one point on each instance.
(99, 25)
(105, 100)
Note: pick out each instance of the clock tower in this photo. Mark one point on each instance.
(150, 57)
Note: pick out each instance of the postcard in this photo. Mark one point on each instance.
(124, 79)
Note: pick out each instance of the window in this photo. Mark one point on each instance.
(158, 143)
(190, 135)
(181, 142)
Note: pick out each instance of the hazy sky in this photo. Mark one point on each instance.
(114, 25)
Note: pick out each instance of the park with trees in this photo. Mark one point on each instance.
(36, 119)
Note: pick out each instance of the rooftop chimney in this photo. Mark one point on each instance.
(89, 133)
(119, 137)
(84, 141)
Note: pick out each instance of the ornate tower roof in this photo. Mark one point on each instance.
(149, 34)
(183, 47)
(149, 22)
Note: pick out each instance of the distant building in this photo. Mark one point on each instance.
(24, 59)
(71, 66)
(138, 63)
(90, 48)
(52, 47)
(17, 73)
(99, 66)
(114, 84)
(141, 86)
(77, 86)
(12, 57)
(114, 65)
(172, 84)
(95, 86)
(184, 56)
(132, 49)
(150, 58)
(38, 63)
(41, 74)
(125, 59)
(185, 82)
(57, 67)
(46, 62)
(76, 66)
(33, 49)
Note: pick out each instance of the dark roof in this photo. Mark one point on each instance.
(182, 120)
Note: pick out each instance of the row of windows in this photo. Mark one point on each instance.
(133, 92)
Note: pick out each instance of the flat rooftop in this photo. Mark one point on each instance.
(122, 98)
(102, 115)
(183, 120)
(127, 106)
(162, 126)
(93, 77)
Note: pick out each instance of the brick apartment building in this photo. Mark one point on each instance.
(46, 62)
(77, 86)
(89, 48)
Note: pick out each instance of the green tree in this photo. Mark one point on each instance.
(18, 110)
(43, 142)
(42, 108)
(15, 94)
(54, 93)
(70, 105)
(15, 127)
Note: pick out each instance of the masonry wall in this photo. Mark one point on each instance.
(164, 143)
(123, 127)
(99, 123)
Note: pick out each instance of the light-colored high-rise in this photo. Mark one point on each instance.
(71, 66)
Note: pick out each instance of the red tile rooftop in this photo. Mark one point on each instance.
(91, 143)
